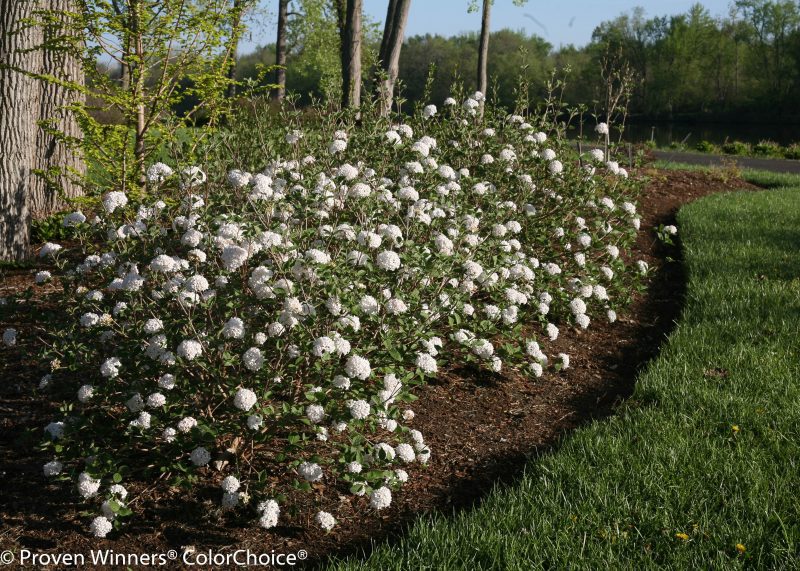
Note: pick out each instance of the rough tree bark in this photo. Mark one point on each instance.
(56, 156)
(351, 56)
(19, 111)
(483, 51)
(391, 44)
(280, 52)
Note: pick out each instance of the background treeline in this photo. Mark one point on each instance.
(745, 64)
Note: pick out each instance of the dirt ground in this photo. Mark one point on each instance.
(481, 428)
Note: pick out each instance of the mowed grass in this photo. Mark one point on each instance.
(700, 469)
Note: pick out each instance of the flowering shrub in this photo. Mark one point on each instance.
(266, 331)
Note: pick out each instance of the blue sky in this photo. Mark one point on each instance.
(561, 22)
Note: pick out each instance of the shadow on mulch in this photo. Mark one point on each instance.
(482, 428)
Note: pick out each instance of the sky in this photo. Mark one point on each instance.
(559, 22)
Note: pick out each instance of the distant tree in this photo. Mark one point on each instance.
(483, 48)
(237, 13)
(389, 55)
(280, 51)
(351, 54)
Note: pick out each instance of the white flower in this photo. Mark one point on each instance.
(85, 393)
(196, 284)
(357, 367)
(405, 452)
(73, 219)
(310, 472)
(233, 257)
(190, 349)
(583, 320)
(163, 263)
(612, 315)
(156, 400)
(483, 348)
(244, 399)
(49, 249)
(230, 484)
(151, 326)
(671, 230)
(393, 137)
(10, 337)
(341, 382)
(110, 368)
(325, 520)
(233, 328)
(166, 381)
(380, 498)
(396, 306)
(602, 128)
(388, 260)
(642, 266)
(429, 111)
(359, 409)
(253, 358)
(52, 468)
(315, 413)
(114, 200)
(157, 172)
(269, 510)
(200, 456)
(577, 306)
(100, 526)
(598, 155)
(186, 424)
(55, 430)
(426, 363)
(337, 146)
(87, 486)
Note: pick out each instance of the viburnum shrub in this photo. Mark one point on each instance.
(265, 332)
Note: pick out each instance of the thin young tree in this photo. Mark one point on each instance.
(19, 111)
(280, 51)
(389, 55)
(351, 55)
(483, 49)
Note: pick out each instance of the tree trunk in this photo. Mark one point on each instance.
(392, 43)
(138, 72)
(233, 47)
(19, 110)
(280, 52)
(57, 157)
(483, 52)
(351, 56)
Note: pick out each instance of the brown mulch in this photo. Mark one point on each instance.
(481, 429)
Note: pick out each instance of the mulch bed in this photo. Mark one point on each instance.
(481, 429)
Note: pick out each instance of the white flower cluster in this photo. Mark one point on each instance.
(294, 309)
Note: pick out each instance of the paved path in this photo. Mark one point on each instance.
(773, 165)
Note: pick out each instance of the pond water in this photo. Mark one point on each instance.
(692, 133)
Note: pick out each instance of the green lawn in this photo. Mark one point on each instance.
(708, 446)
